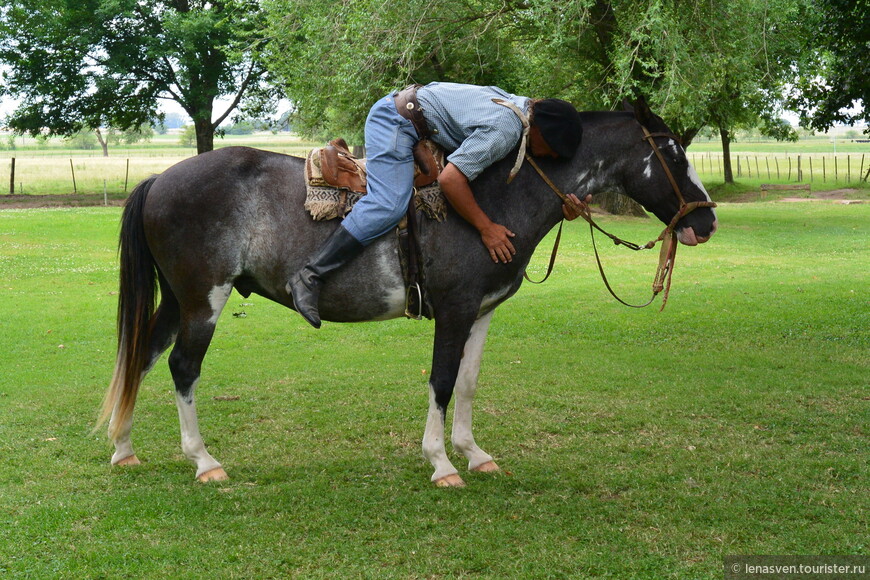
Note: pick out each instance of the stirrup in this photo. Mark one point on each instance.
(408, 313)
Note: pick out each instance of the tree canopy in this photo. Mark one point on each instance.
(834, 65)
(698, 62)
(89, 63)
(726, 65)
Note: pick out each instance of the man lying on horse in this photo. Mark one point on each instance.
(478, 126)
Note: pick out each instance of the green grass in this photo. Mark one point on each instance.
(639, 444)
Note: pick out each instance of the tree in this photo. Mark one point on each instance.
(697, 62)
(723, 64)
(95, 63)
(127, 136)
(334, 59)
(833, 84)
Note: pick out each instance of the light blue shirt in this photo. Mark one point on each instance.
(466, 123)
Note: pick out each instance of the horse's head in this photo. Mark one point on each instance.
(648, 182)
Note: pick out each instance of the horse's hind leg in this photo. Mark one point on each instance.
(185, 363)
(466, 385)
(164, 327)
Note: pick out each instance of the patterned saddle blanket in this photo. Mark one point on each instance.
(336, 180)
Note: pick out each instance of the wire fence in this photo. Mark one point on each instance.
(811, 168)
(86, 174)
(118, 175)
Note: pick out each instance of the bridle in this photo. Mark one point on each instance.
(668, 252)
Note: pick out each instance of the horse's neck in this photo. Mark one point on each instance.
(602, 157)
(597, 166)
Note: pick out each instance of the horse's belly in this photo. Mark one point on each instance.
(369, 288)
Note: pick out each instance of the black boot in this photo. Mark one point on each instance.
(340, 248)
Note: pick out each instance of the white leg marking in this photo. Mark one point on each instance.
(218, 297)
(123, 446)
(490, 299)
(433, 441)
(466, 385)
(191, 441)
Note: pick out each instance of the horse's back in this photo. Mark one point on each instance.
(235, 217)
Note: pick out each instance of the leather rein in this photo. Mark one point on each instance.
(668, 252)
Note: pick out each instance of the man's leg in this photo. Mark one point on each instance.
(390, 141)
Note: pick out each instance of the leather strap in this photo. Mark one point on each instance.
(552, 258)
(524, 140)
(408, 107)
(667, 254)
(648, 137)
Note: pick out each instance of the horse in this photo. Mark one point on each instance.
(233, 218)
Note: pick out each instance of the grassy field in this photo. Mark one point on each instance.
(636, 444)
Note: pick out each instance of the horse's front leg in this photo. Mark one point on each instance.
(466, 385)
(452, 326)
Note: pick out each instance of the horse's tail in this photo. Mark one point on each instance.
(136, 301)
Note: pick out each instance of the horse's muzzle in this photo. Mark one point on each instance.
(688, 237)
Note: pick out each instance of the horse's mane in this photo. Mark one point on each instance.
(596, 115)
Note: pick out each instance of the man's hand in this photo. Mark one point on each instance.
(494, 236)
(570, 212)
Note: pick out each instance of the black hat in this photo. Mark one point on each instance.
(559, 124)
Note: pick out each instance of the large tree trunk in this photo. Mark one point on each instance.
(204, 134)
(726, 154)
(688, 136)
(619, 204)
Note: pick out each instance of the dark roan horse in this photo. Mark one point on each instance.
(234, 218)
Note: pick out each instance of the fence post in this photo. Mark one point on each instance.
(73, 170)
(811, 169)
(12, 178)
(800, 175)
(127, 175)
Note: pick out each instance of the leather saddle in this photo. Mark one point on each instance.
(339, 168)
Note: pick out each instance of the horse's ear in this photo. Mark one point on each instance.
(642, 112)
(627, 106)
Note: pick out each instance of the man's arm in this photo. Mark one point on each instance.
(494, 236)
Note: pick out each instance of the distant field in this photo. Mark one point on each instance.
(49, 167)
(159, 146)
(46, 168)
